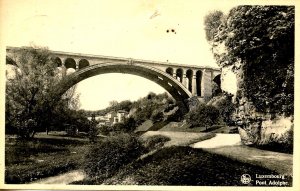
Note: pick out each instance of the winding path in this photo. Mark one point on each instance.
(229, 145)
(65, 178)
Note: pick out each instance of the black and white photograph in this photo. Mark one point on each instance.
(148, 95)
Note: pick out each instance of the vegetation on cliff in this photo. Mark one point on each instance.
(258, 42)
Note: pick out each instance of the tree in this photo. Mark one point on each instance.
(30, 106)
(203, 116)
(28, 94)
(258, 43)
(212, 21)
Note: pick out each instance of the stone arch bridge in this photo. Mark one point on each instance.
(182, 81)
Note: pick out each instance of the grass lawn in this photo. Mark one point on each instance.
(44, 156)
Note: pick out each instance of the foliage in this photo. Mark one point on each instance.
(177, 116)
(212, 22)
(258, 41)
(157, 116)
(155, 141)
(128, 126)
(30, 106)
(203, 115)
(93, 131)
(113, 106)
(105, 129)
(106, 157)
(150, 107)
(28, 94)
(216, 89)
(226, 108)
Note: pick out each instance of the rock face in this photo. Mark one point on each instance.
(257, 129)
(260, 129)
(277, 132)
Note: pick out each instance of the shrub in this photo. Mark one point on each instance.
(106, 157)
(127, 126)
(104, 129)
(157, 116)
(177, 116)
(155, 141)
(226, 108)
(93, 131)
(203, 115)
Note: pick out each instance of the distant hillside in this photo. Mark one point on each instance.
(144, 107)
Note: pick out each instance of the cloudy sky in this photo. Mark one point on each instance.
(124, 28)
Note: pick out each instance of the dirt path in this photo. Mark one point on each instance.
(65, 178)
(220, 140)
(229, 145)
(180, 138)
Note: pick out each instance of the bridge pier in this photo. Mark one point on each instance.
(194, 85)
(206, 84)
(184, 81)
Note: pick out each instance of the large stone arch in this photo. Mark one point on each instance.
(170, 84)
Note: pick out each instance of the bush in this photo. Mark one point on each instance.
(127, 126)
(203, 115)
(106, 157)
(155, 141)
(157, 116)
(177, 116)
(93, 131)
(226, 108)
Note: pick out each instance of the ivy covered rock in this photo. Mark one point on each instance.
(257, 43)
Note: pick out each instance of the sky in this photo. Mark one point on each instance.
(128, 28)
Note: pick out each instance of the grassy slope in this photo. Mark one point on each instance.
(186, 166)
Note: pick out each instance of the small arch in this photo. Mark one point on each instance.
(179, 74)
(169, 71)
(70, 63)
(217, 80)
(198, 82)
(189, 77)
(83, 63)
(57, 61)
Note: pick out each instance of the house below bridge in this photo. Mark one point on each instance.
(111, 118)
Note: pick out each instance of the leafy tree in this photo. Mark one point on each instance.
(212, 22)
(28, 94)
(258, 43)
(203, 115)
(30, 106)
(113, 103)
